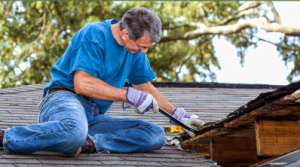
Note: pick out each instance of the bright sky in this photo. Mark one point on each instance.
(262, 65)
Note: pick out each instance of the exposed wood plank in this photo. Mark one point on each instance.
(232, 151)
(285, 106)
(276, 137)
(200, 148)
(245, 131)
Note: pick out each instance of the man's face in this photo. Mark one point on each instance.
(133, 47)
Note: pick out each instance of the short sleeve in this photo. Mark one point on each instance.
(89, 58)
(141, 71)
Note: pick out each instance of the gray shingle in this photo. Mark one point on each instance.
(151, 159)
(185, 164)
(8, 165)
(19, 161)
(139, 163)
(70, 161)
(44, 165)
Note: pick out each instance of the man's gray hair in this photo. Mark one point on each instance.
(138, 21)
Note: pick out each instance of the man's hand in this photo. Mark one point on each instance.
(142, 101)
(188, 119)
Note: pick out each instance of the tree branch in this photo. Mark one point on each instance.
(184, 61)
(229, 29)
(274, 11)
(264, 40)
(249, 5)
(203, 15)
(278, 45)
(242, 11)
(239, 15)
(189, 24)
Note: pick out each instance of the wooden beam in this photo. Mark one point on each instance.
(292, 111)
(208, 134)
(201, 148)
(285, 106)
(276, 137)
(233, 151)
(244, 131)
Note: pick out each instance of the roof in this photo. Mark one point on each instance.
(19, 107)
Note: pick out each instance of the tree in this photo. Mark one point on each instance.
(37, 33)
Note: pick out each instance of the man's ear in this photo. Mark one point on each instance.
(124, 34)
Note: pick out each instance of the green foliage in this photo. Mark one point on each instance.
(291, 55)
(36, 34)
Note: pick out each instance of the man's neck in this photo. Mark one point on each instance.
(115, 29)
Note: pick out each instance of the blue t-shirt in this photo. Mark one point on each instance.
(94, 49)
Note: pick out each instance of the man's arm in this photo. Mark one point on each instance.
(163, 102)
(87, 85)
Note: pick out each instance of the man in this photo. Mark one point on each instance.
(86, 80)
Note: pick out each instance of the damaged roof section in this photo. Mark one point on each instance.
(261, 100)
(265, 127)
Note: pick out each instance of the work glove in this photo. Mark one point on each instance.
(142, 101)
(188, 119)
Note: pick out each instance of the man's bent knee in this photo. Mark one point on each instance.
(75, 137)
(157, 138)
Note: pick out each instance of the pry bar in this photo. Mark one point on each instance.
(177, 121)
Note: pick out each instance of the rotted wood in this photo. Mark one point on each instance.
(262, 100)
(245, 131)
(276, 137)
(233, 151)
(211, 133)
(201, 147)
(286, 106)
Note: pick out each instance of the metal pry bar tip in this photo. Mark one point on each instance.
(177, 121)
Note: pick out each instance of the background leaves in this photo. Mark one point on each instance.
(33, 35)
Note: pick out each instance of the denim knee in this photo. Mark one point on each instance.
(161, 137)
(76, 136)
(158, 137)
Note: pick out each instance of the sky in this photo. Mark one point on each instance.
(262, 65)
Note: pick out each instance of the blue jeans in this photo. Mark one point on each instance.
(65, 121)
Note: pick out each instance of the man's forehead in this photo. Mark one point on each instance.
(145, 41)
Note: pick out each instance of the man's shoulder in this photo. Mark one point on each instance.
(95, 30)
(100, 25)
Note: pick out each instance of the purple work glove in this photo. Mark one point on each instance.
(190, 120)
(142, 101)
